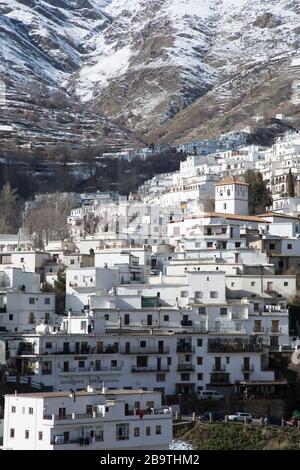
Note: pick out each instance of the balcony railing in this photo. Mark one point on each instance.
(276, 330)
(219, 369)
(73, 370)
(233, 347)
(185, 348)
(249, 368)
(81, 351)
(150, 369)
(186, 323)
(73, 416)
(146, 350)
(258, 330)
(186, 367)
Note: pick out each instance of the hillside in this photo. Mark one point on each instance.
(119, 73)
(240, 437)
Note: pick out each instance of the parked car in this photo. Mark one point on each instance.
(240, 416)
(216, 416)
(273, 421)
(210, 395)
(292, 422)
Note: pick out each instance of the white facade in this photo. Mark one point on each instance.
(91, 420)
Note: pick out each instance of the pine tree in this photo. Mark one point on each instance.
(290, 184)
(259, 195)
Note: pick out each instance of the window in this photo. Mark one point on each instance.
(223, 311)
(199, 361)
(158, 429)
(169, 361)
(232, 284)
(148, 431)
(22, 260)
(31, 300)
(81, 364)
(30, 411)
(246, 376)
(290, 246)
(166, 317)
(126, 319)
(184, 293)
(72, 261)
(122, 432)
(83, 325)
(47, 300)
(185, 377)
(106, 316)
(160, 377)
(26, 434)
(13, 409)
(209, 244)
(285, 284)
(31, 318)
(198, 294)
(11, 317)
(227, 360)
(252, 284)
(136, 432)
(271, 246)
(200, 376)
(142, 361)
(48, 345)
(40, 436)
(237, 244)
(142, 344)
(202, 310)
(12, 433)
(213, 295)
(199, 342)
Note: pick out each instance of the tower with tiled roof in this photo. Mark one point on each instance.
(231, 196)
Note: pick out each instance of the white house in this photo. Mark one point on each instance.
(87, 420)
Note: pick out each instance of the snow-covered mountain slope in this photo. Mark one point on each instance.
(164, 69)
(43, 42)
(46, 39)
(157, 58)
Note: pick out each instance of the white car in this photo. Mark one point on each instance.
(240, 416)
(210, 395)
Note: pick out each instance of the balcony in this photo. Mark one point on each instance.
(73, 417)
(247, 368)
(258, 331)
(81, 351)
(276, 330)
(136, 369)
(89, 370)
(233, 347)
(185, 348)
(186, 323)
(186, 368)
(26, 352)
(219, 379)
(147, 350)
(219, 369)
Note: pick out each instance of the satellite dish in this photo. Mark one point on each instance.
(296, 357)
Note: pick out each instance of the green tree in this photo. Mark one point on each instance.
(290, 184)
(259, 195)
